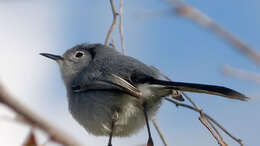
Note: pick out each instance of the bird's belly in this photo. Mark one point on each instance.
(93, 112)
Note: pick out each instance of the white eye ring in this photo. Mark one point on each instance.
(79, 54)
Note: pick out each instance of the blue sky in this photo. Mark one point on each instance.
(179, 48)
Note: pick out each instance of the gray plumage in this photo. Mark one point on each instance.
(101, 81)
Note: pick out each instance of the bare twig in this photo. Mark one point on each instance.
(241, 74)
(219, 139)
(215, 129)
(224, 130)
(194, 14)
(205, 123)
(207, 116)
(159, 132)
(154, 123)
(113, 23)
(35, 120)
(191, 101)
(121, 27)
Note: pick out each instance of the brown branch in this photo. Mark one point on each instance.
(241, 74)
(215, 129)
(206, 123)
(192, 102)
(198, 17)
(121, 27)
(224, 130)
(208, 117)
(159, 132)
(203, 121)
(113, 23)
(35, 120)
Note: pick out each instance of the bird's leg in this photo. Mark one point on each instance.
(111, 133)
(115, 117)
(150, 140)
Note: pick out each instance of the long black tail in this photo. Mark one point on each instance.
(202, 88)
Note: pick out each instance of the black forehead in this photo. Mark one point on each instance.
(82, 47)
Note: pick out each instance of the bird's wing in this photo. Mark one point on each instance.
(110, 82)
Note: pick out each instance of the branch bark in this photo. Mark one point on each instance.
(121, 27)
(113, 23)
(208, 117)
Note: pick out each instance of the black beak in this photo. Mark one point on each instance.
(51, 56)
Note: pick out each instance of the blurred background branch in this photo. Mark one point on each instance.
(187, 11)
(34, 120)
(240, 74)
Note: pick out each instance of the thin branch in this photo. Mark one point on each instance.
(224, 130)
(215, 129)
(35, 120)
(113, 23)
(121, 27)
(198, 17)
(203, 121)
(192, 102)
(159, 132)
(241, 74)
(219, 139)
(207, 116)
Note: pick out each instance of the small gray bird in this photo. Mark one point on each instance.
(114, 95)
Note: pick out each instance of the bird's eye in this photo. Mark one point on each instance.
(79, 54)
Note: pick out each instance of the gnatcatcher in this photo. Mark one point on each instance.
(114, 95)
